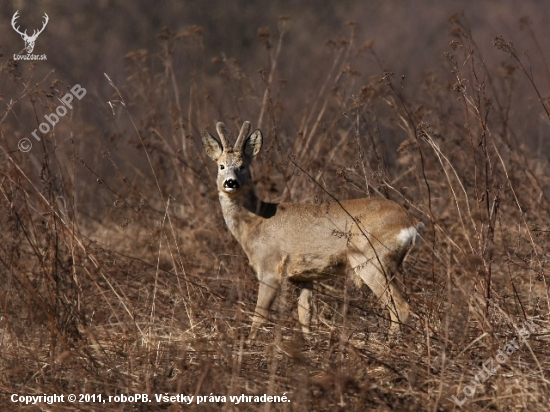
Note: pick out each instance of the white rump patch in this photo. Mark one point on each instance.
(410, 235)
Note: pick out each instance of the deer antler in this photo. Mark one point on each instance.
(220, 128)
(242, 136)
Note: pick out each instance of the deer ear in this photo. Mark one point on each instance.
(253, 144)
(211, 146)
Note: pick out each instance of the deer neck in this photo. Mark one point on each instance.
(242, 210)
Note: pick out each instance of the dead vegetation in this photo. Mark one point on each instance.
(118, 274)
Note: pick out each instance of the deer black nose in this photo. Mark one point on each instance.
(231, 184)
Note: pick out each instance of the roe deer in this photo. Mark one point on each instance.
(305, 242)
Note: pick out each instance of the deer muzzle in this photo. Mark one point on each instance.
(231, 185)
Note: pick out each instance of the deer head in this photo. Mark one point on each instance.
(29, 40)
(233, 161)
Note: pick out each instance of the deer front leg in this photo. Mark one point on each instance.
(269, 286)
(304, 305)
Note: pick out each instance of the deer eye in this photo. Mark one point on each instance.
(241, 167)
(222, 167)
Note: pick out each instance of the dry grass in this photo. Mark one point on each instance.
(118, 274)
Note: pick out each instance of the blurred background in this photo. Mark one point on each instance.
(203, 43)
(85, 39)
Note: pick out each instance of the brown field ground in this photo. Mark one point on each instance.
(119, 276)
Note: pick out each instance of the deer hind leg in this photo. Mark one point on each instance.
(269, 286)
(382, 284)
(304, 305)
